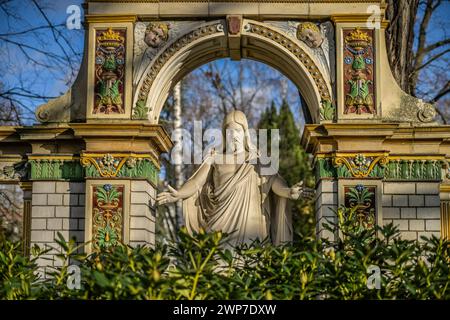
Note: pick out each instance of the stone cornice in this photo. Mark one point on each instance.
(9, 134)
(45, 132)
(91, 18)
(156, 133)
(214, 8)
(367, 136)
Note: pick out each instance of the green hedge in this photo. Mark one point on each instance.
(201, 267)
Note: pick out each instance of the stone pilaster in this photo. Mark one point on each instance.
(26, 222)
(121, 166)
(142, 213)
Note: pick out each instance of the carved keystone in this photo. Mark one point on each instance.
(234, 23)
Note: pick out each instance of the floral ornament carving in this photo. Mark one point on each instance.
(359, 71)
(362, 200)
(120, 165)
(109, 71)
(107, 166)
(107, 215)
(361, 166)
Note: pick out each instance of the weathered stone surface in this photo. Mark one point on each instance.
(44, 187)
(391, 213)
(417, 225)
(43, 211)
(400, 200)
(402, 225)
(39, 224)
(433, 225)
(62, 211)
(140, 198)
(428, 213)
(416, 200)
(428, 188)
(39, 199)
(408, 213)
(55, 199)
(399, 188)
(41, 236)
(54, 224)
(387, 200)
(432, 201)
(409, 235)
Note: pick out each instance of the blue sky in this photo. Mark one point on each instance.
(16, 66)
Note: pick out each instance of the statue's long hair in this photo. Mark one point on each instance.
(240, 118)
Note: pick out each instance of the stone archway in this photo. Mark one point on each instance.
(213, 40)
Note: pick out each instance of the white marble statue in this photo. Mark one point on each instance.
(233, 196)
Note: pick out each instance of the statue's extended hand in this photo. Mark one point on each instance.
(167, 196)
(298, 190)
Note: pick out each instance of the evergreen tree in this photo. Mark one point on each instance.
(269, 120)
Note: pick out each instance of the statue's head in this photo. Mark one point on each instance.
(236, 133)
(310, 34)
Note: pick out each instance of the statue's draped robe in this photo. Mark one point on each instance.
(244, 207)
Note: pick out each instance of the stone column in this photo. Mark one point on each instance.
(445, 202)
(26, 223)
(121, 184)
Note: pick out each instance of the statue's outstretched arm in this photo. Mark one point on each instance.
(280, 188)
(194, 183)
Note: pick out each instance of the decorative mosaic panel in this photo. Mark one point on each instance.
(359, 71)
(109, 71)
(362, 199)
(107, 219)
